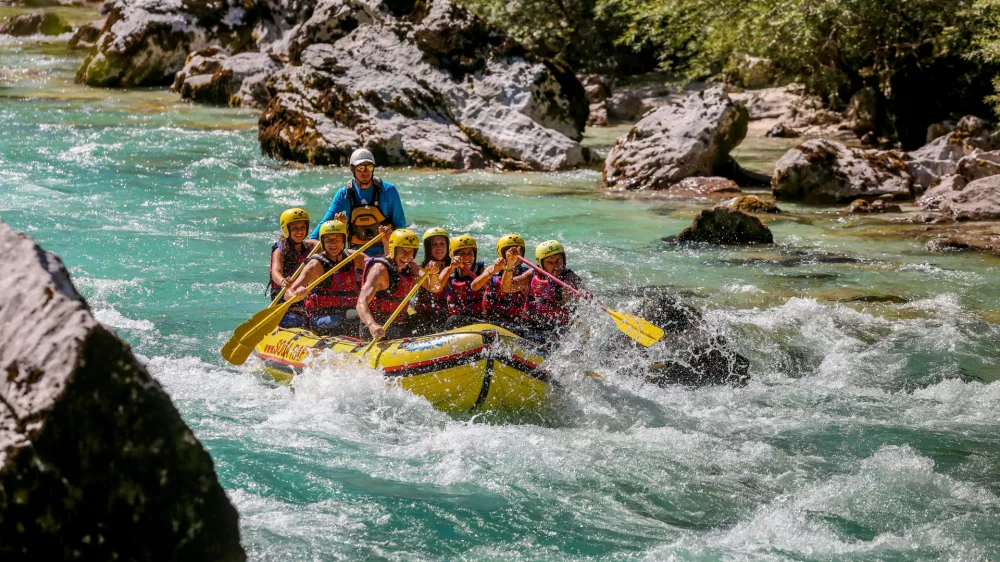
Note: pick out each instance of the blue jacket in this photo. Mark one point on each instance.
(389, 204)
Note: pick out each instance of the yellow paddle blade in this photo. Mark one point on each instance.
(237, 354)
(636, 328)
(241, 331)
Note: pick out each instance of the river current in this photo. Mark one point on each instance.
(870, 429)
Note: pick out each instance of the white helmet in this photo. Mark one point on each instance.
(361, 156)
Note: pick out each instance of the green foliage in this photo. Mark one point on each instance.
(988, 41)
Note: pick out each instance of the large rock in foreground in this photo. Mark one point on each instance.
(828, 172)
(95, 461)
(428, 85)
(677, 141)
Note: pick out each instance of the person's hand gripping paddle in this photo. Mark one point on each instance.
(399, 309)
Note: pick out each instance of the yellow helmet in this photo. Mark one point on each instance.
(292, 215)
(333, 227)
(508, 241)
(402, 238)
(547, 249)
(462, 242)
(436, 231)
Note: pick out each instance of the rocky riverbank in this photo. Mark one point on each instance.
(424, 84)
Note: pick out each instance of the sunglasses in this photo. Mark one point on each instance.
(364, 167)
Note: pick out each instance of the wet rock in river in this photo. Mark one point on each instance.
(782, 131)
(697, 355)
(723, 225)
(965, 242)
(37, 23)
(212, 76)
(946, 186)
(752, 204)
(863, 206)
(824, 172)
(433, 86)
(701, 187)
(145, 42)
(86, 35)
(690, 138)
(95, 461)
(979, 200)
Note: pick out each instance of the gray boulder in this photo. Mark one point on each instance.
(979, 200)
(145, 42)
(85, 37)
(37, 23)
(827, 172)
(944, 189)
(941, 156)
(723, 225)
(415, 98)
(677, 141)
(95, 461)
(212, 76)
(979, 165)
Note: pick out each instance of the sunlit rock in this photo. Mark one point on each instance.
(677, 141)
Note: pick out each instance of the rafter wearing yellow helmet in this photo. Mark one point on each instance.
(287, 254)
(387, 281)
(465, 304)
(330, 306)
(549, 304)
(430, 307)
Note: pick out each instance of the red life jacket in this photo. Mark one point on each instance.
(545, 303)
(503, 306)
(384, 303)
(337, 293)
(428, 302)
(293, 258)
(462, 300)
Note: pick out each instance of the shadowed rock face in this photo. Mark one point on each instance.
(723, 225)
(95, 461)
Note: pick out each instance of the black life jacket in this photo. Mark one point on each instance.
(363, 220)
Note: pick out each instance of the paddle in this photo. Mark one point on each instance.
(399, 309)
(270, 318)
(632, 326)
(245, 327)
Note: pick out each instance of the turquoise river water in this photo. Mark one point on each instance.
(870, 430)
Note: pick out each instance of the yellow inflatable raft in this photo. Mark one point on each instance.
(477, 368)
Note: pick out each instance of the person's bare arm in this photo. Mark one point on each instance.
(312, 272)
(522, 283)
(487, 274)
(277, 261)
(378, 280)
